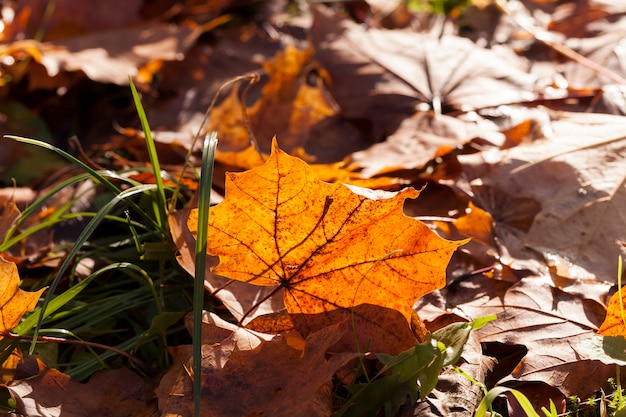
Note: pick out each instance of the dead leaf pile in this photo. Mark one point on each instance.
(507, 116)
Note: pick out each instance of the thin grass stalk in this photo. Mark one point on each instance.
(80, 241)
(160, 204)
(204, 200)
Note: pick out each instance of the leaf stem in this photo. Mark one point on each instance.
(50, 339)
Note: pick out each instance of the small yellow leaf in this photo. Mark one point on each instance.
(14, 302)
(614, 324)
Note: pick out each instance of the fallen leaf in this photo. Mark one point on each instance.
(415, 142)
(9, 366)
(475, 223)
(238, 297)
(72, 18)
(284, 376)
(549, 322)
(279, 226)
(300, 101)
(279, 378)
(14, 302)
(381, 76)
(111, 56)
(614, 323)
(9, 213)
(191, 84)
(577, 219)
(216, 330)
(334, 172)
(51, 393)
(294, 105)
(219, 340)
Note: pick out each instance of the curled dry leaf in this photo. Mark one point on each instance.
(417, 140)
(329, 248)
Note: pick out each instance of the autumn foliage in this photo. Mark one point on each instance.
(327, 247)
(410, 202)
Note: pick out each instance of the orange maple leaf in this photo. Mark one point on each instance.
(329, 246)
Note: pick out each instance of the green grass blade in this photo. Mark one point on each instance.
(35, 206)
(488, 399)
(159, 210)
(94, 173)
(80, 241)
(204, 199)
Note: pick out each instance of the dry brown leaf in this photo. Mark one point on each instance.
(219, 340)
(113, 56)
(547, 321)
(416, 142)
(71, 18)
(52, 393)
(381, 76)
(285, 376)
(576, 177)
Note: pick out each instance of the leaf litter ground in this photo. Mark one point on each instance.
(517, 156)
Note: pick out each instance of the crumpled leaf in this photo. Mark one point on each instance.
(416, 141)
(329, 247)
(219, 340)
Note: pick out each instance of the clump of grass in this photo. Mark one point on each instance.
(129, 307)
